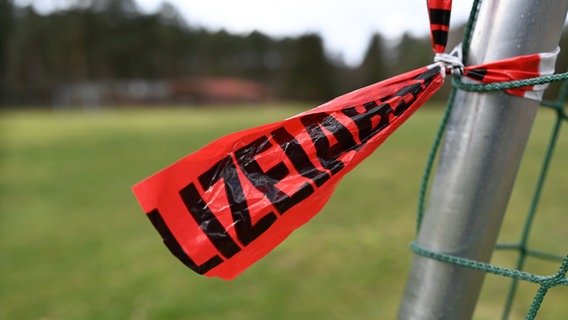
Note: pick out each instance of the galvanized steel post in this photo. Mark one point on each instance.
(484, 143)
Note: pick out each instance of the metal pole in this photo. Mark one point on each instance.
(485, 139)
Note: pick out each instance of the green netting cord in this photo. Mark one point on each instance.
(498, 86)
(545, 282)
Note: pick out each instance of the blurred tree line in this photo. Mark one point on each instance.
(98, 40)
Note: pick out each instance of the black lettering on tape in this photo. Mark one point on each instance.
(328, 154)
(226, 170)
(415, 89)
(265, 181)
(298, 157)
(402, 106)
(208, 222)
(364, 122)
(176, 249)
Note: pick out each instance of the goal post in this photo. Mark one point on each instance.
(484, 142)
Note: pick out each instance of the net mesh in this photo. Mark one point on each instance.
(522, 248)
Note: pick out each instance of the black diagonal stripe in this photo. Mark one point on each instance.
(428, 75)
(440, 16)
(440, 37)
(207, 220)
(175, 248)
(477, 74)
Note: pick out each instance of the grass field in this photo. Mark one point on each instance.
(75, 245)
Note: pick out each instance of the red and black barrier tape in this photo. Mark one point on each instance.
(227, 205)
(475, 73)
(439, 12)
(516, 68)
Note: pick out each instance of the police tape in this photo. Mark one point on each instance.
(224, 207)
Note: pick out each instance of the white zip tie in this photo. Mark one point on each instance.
(452, 60)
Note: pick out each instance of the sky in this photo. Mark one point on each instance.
(345, 25)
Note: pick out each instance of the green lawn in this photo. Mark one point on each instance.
(75, 245)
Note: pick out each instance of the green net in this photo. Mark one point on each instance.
(521, 247)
